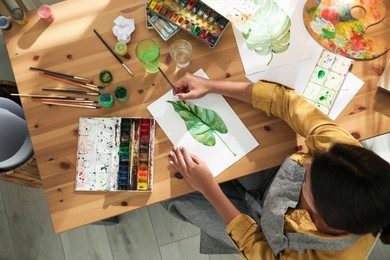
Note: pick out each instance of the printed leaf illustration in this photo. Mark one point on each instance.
(202, 123)
(268, 30)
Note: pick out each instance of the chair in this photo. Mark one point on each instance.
(17, 163)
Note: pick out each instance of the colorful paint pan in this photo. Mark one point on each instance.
(158, 7)
(174, 17)
(190, 4)
(196, 30)
(163, 10)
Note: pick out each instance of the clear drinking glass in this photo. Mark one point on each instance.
(181, 52)
(148, 52)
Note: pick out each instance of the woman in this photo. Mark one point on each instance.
(328, 203)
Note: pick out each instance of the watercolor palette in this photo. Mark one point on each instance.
(115, 154)
(326, 80)
(333, 25)
(192, 16)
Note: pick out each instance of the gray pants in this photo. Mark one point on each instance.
(195, 209)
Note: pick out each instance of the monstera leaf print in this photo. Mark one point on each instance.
(268, 30)
(202, 123)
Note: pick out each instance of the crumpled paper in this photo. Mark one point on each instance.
(123, 28)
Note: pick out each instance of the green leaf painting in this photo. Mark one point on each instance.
(202, 123)
(268, 30)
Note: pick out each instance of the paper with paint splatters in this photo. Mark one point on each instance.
(97, 154)
(326, 80)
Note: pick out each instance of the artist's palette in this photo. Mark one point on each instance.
(326, 80)
(115, 154)
(332, 24)
(193, 16)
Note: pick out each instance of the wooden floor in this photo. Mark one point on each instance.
(149, 233)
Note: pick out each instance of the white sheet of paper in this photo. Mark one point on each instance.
(297, 51)
(217, 157)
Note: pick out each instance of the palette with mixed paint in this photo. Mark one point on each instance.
(326, 80)
(193, 16)
(115, 154)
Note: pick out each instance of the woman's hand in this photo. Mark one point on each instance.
(191, 87)
(194, 170)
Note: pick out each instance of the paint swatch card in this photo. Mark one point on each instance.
(115, 154)
(326, 80)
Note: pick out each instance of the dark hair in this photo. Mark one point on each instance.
(350, 186)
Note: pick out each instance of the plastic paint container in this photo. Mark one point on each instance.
(121, 93)
(106, 100)
(19, 16)
(4, 23)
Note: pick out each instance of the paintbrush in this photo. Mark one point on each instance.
(48, 96)
(88, 86)
(76, 78)
(113, 53)
(169, 82)
(61, 101)
(72, 90)
(68, 105)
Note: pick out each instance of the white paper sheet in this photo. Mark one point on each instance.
(298, 50)
(218, 157)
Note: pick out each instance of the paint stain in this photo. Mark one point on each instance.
(36, 57)
(124, 203)
(167, 59)
(321, 74)
(178, 176)
(267, 128)
(65, 165)
(356, 135)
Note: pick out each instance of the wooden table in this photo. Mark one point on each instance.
(69, 45)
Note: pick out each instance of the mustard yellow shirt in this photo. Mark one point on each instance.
(320, 133)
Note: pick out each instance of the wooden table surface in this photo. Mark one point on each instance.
(69, 45)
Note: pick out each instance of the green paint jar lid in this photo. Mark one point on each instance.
(105, 76)
(121, 93)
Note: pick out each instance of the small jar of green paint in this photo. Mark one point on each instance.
(106, 100)
(121, 93)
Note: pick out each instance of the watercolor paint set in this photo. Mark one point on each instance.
(326, 80)
(193, 16)
(115, 154)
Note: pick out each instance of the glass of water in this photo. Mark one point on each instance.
(181, 51)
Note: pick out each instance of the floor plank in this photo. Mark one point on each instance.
(187, 249)
(380, 252)
(133, 237)
(30, 224)
(225, 257)
(88, 242)
(167, 228)
(7, 250)
(6, 72)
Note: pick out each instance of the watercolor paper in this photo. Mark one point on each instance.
(218, 157)
(298, 48)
